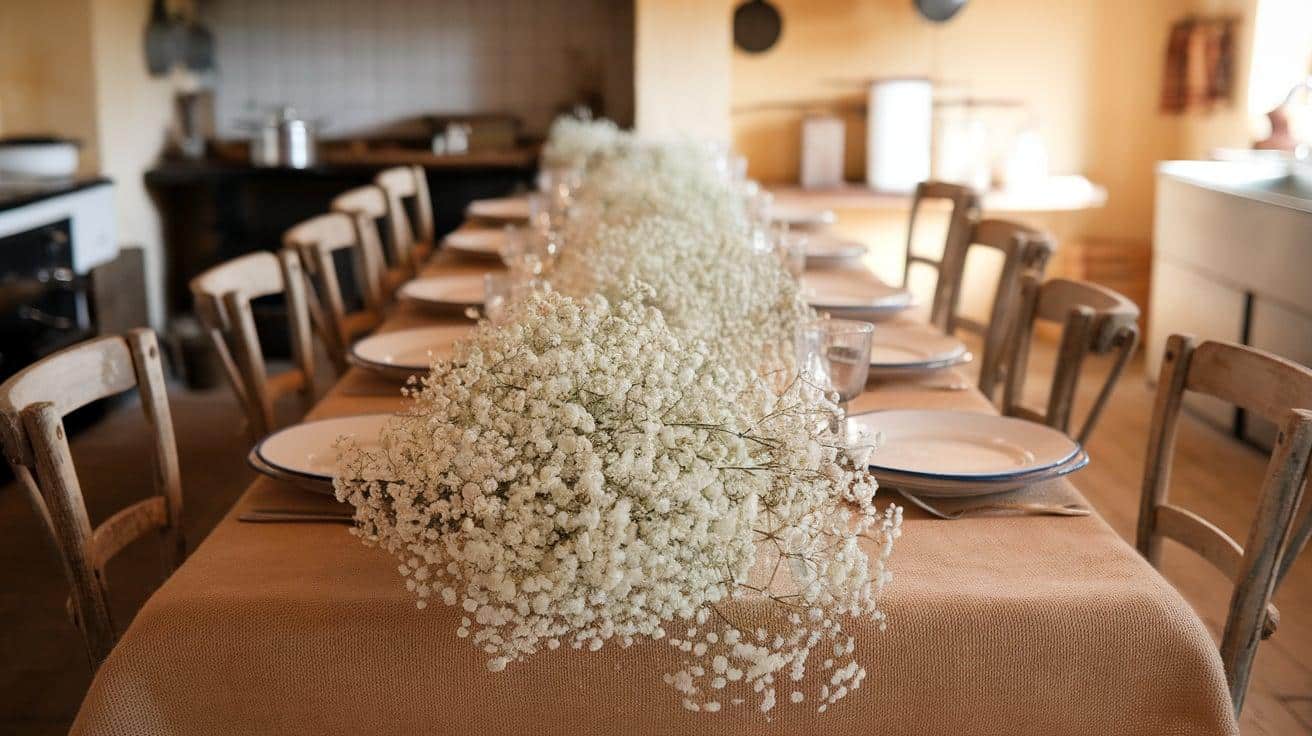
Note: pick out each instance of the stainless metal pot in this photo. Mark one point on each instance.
(284, 140)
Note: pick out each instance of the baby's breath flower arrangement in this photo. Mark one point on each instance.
(579, 475)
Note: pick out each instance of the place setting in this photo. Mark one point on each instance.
(305, 454)
(847, 295)
(946, 455)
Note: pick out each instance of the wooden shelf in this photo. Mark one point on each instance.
(1058, 194)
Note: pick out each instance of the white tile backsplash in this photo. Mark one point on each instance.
(357, 64)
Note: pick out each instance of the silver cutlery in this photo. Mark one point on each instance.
(266, 516)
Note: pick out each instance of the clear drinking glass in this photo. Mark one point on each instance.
(527, 252)
(834, 354)
(790, 246)
(500, 290)
(559, 184)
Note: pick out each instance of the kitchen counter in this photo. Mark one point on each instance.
(1058, 194)
(336, 163)
(15, 193)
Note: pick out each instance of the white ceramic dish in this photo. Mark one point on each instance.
(447, 293)
(823, 249)
(829, 291)
(801, 217)
(309, 450)
(936, 488)
(404, 353)
(478, 242)
(963, 446)
(501, 209)
(898, 347)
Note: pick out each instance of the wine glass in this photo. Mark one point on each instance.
(526, 251)
(501, 289)
(835, 355)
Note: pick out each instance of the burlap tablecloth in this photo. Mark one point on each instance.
(996, 625)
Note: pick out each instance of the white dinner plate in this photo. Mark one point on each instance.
(963, 445)
(404, 353)
(898, 347)
(448, 293)
(938, 488)
(503, 209)
(479, 242)
(309, 450)
(801, 217)
(835, 291)
(826, 249)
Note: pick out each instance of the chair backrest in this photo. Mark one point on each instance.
(1095, 320)
(222, 297)
(1268, 386)
(412, 242)
(965, 211)
(367, 205)
(1024, 250)
(317, 240)
(33, 404)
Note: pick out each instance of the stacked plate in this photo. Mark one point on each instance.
(476, 242)
(447, 294)
(824, 249)
(404, 353)
(867, 298)
(898, 350)
(956, 454)
(500, 209)
(801, 218)
(306, 454)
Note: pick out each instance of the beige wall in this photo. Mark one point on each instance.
(46, 80)
(135, 112)
(682, 67)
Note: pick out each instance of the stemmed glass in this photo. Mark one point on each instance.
(527, 252)
(835, 355)
(500, 290)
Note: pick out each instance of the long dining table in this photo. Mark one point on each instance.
(996, 625)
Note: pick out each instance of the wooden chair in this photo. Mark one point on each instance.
(963, 215)
(1095, 320)
(222, 296)
(33, 404)
(1270, 387)
(412, 243)
(1024, 251)
(366, 205)
(317, 240)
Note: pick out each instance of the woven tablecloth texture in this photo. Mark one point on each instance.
(996, 625)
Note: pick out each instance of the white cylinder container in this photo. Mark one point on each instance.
(899, 134)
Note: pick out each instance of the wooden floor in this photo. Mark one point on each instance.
(43, 673)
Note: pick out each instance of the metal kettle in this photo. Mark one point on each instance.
(285, 140)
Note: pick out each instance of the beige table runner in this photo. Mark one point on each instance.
(997, 625)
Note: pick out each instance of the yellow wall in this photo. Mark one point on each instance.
(1089, 69)
(46, 81)
(681, 67)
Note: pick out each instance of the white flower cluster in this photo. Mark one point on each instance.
(666, 215)
(607, 463)
(577, 474)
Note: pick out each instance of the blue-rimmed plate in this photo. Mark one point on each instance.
(309, 450)
(962, 446)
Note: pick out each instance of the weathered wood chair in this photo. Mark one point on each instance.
(962, 216)
(222, 297)
(1278, 390)
(33, 404)
(412, 242)
(1095, 321)
(367, 205)
(1024, 251)
(317, 241)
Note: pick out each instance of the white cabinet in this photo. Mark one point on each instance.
(1232, 260)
